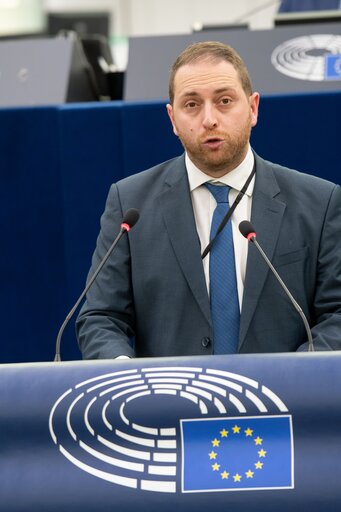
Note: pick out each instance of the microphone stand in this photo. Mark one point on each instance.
(293, 301)
(124, 229)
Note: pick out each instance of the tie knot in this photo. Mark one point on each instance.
(219, 192)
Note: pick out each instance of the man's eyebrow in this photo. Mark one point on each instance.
(224, 89)
(190, 94)
(216, 91)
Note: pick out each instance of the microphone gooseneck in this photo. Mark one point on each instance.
(129, 220)
(247, 230)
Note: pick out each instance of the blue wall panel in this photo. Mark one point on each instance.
(91, 159)
(302, 132)
(148, 137)
(31, 257)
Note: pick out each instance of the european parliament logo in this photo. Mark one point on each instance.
(312, 57)
(237, 454)
(219, 430)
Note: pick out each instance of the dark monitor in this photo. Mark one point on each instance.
(306, 17)
(44, 71)
(83, 23)
(98, 53)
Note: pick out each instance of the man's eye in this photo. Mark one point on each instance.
(225, 101)
(191, 104)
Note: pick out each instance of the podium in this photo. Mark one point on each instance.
(243, 432)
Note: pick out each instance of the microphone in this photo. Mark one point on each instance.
(247, 230)
(129, 220)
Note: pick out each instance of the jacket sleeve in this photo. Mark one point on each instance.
(326, 320)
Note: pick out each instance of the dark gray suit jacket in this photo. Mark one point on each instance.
(153, 287)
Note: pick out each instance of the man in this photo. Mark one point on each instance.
(158, 291)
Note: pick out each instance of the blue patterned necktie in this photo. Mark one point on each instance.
(223, 283)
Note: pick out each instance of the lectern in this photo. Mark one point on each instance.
(241, 432)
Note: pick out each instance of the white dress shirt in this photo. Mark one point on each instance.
(204, 205)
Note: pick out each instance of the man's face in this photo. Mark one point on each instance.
(212, 115)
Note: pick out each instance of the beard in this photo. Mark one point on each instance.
(218, 161)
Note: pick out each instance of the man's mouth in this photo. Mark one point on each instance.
(213, 142)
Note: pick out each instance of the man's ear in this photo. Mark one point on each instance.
(254, 104)
(171, 117)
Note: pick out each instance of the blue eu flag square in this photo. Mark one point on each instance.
(237, 453)
(333, 67)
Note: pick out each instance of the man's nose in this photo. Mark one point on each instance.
(209, 117)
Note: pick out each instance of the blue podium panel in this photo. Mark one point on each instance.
(240, 432)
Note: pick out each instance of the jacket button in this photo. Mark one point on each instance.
(206, 342)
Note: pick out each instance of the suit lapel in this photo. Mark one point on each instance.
(266, 217)
(176, 207)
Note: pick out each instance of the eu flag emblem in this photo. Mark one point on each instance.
(333, 67)
(230, 454)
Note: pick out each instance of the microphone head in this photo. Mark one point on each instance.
(247, 230)
(130, 218)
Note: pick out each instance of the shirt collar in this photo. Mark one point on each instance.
(234, 179)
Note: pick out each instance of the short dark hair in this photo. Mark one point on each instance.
(214, 51)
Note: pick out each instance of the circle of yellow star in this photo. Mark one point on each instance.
(224, 433)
